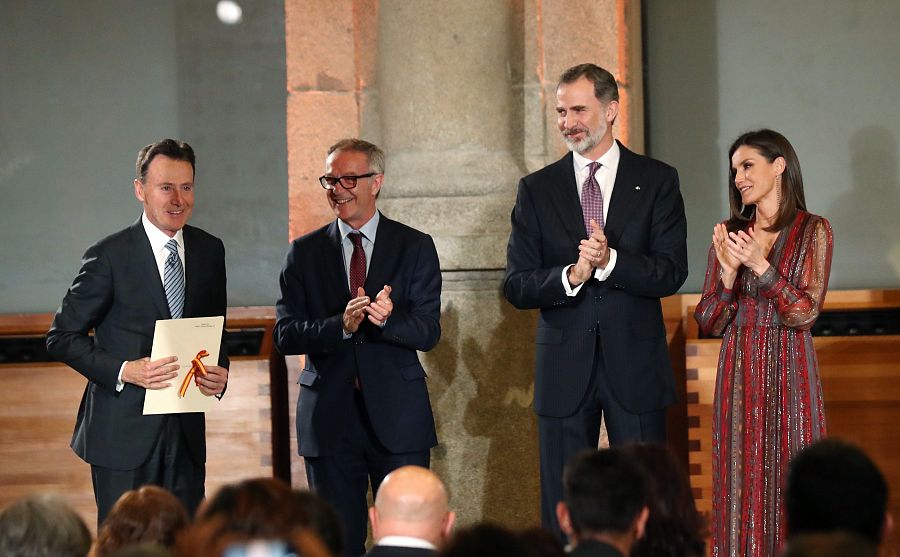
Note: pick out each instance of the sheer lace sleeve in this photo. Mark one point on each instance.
(798, 303)
(717, 304)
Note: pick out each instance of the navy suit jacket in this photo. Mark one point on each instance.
(309, 320)
(119, 295)
(647, 228)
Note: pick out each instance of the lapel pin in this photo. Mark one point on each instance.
(637, 187)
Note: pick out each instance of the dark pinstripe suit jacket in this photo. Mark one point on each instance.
(646, 226)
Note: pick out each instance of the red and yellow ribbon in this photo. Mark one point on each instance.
(196, 367)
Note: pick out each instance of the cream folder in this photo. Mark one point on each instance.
(184, 338)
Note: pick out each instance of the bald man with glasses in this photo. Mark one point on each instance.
(359, 297)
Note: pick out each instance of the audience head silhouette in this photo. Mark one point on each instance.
(605, 499)
(150, 514)
(674, 527)
(42, 526)
(833, 485)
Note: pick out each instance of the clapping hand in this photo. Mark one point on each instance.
(381, 308)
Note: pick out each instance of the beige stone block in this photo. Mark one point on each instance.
(444, 75)
(451, 172)
(481, 380)
(470, 232)
(320, 45)
(370, 119)
(575, 32)
(365, 23)
(315, 121)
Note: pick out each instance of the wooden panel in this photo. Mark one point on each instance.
(38, 405)
(861, 386)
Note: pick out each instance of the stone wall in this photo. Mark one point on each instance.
(461, 96)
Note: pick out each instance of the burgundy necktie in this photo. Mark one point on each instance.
(592, 199)
(357, 264)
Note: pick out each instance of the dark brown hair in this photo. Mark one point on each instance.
(254, 509)
(485, 539)
(674, 527)
(150, 514)
(605, 87)
(771, 145)
(172, 148)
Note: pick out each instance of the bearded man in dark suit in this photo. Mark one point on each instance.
(597, 239)
(157, 268)
(359, 297)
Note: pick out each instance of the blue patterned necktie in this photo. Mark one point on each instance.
(173, 280)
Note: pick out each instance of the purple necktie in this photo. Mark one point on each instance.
(357, 264)
(592, 199)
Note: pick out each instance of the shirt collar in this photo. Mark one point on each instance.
(158, 238)
(609, 159)
(406, 541)
(368, 230)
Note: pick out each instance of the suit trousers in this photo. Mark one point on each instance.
(170, 465)
(561, 439)
(342, 477)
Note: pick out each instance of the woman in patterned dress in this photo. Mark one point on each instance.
(765, 283)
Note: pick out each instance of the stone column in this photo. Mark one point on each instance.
(461, 96)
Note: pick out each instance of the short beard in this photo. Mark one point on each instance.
(582, 146)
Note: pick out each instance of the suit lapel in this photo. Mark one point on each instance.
(333, 263)
(145, 263)
(193, 263)
(564, 196)
(627, 194)
(385, 252)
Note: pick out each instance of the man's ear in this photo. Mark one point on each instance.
(565, 520)
(447, 527)
(139, 190)
(377, 180)
(373, 518)
(612, 111)
(640, 523)
(888, 527)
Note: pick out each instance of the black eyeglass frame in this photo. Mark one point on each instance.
(323, 180)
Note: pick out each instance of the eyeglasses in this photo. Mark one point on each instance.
(348, 182)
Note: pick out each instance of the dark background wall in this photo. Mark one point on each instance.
(825, 73)
(84, 85)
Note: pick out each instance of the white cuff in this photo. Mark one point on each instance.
(570, 292)
(119, 383)
(603, 274)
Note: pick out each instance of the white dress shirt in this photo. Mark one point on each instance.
(606, 179)
(406, 541)
(158, 240)
(368, 232)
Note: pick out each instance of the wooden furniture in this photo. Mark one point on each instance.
(246, 434)
(860, 381)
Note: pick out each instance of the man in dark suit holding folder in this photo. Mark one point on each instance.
(157, 268)
(597, 239)
(359, 297)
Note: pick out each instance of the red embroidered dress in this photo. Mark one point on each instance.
(768, 401)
